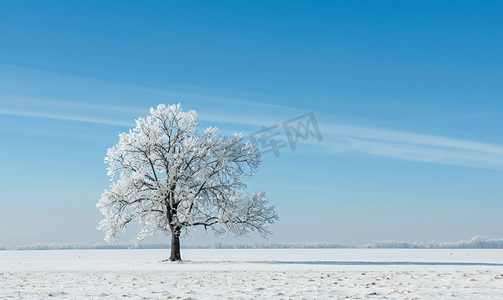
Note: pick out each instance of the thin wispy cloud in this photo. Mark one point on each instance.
(409, 138)
(414, 146)
(233, 119)
(84, 112)
(456, 117)
(337, 139)
(423, 153)
(65, 117)
(31, 103)
(68, 110)
(201, 97)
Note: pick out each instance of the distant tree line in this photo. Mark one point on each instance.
(477, 242)
(82, 246)
(218, 245)
(221, 245)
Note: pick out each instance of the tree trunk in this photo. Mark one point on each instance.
(175, 245)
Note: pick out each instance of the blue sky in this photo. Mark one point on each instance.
(408, 97)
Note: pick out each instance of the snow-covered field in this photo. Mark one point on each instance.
(257, 273)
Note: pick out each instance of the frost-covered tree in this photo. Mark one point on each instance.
(171, 178)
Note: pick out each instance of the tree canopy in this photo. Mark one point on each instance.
(171, 178)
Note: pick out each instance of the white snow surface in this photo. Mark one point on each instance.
(253, 274)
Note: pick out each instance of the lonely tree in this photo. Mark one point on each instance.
(171, 178)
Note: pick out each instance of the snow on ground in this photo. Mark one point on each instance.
(253, 274)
